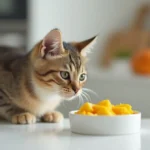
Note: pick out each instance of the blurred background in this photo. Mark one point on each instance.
(119, 65)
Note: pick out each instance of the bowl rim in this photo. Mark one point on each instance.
(131, 115)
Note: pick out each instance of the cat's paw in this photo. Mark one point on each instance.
(54, 117)
(23, 118)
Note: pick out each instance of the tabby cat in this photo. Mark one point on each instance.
(33, 84)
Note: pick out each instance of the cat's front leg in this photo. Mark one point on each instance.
(16, 115)
(53, 117)
(23, 118)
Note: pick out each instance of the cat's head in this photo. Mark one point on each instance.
(60, 67)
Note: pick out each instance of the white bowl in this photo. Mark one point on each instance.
(105, 125)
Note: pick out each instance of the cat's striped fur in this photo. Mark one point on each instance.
(31, 85)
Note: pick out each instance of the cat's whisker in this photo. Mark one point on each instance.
(82, 101)
(79, 103)
(91, 92)
(84, 98)
(88, 97)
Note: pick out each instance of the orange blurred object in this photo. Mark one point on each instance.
(140, 62)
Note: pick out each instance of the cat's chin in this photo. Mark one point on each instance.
(71, 98)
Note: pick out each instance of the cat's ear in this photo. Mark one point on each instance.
(52, 44)
(85, 47)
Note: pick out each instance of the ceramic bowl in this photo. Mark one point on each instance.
(105, 125)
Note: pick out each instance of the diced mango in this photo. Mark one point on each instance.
(104, 111)
(90, 114)
(97, 108)
(120, 110)
(105, 108)
(81, 112)
(129, 107)
(124, 105)
(106, 103)
(88, 107)
(78, 112)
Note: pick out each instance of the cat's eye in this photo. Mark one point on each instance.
(83, 77)
(65, 75)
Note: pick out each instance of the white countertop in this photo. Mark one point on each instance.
(45, 136)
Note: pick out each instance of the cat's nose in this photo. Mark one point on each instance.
(75, 89)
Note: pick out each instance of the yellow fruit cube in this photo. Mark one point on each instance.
(102, 110)
(124, 105)
(105, 102)
(88, 107)
(120, 110)
(90, 114)
(78, 112)
(129, 107)
(81, 112)
(96, 108)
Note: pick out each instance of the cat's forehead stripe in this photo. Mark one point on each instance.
(73, 55)
(67, 66)
(75, 60)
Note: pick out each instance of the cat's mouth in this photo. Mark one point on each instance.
(71, 96)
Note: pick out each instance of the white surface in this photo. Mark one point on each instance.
(50, 137)
(100, 125)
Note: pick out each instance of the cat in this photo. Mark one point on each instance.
(33, 84)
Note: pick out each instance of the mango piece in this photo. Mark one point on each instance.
(81, 112)
(121, 110)
(78, 112)
(85, 113)
(129, 107)
(88, 107)
(96, 108)
(124, 105)
(103, 110)
(106, 103)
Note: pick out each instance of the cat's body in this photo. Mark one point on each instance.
(30, 83)
(17, 89)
